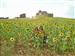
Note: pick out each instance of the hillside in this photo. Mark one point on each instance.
(16, 36)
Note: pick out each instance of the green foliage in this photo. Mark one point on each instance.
(61, 33)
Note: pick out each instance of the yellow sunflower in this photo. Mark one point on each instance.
(61, 34)
(55, 40)
(12, 39)
(68, 38)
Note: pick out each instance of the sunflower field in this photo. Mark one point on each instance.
(18, 37)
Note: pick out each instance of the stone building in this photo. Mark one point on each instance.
(23, 15)
(45, 13)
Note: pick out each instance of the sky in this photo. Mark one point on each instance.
(60, 8)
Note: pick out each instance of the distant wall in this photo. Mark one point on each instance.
(17, 17)
(50, 15)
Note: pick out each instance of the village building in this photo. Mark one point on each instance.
(45, 13)
(23, 15)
